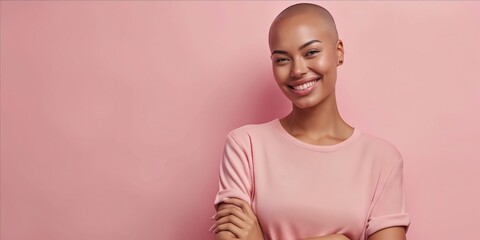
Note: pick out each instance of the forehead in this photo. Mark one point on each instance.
(295, 30)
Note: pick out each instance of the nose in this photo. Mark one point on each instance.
(299, 68)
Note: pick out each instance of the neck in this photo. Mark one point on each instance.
(320, 120)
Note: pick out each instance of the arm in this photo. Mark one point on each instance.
(235, 182)
(388, 219)
(329, 237)
(391, 233)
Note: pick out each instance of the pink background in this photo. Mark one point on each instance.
(114, 114)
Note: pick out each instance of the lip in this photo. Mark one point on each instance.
(307, 91)
(303, 80)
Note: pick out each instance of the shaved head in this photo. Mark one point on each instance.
(305, 53)
(303, 11)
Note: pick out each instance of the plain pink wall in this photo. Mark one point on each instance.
(114, 113)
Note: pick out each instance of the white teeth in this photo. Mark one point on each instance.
(304, 86)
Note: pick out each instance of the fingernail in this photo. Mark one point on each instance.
(211, 228)
(213, 217)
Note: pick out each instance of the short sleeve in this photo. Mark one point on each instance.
(235, 178)
(389, 207)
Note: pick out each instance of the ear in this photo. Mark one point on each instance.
(340, 52)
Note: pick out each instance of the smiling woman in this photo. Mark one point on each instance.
(309, 175)
(114, 113)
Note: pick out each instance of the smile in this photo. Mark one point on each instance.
(304, 86)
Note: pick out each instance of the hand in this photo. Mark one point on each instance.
(240, 221)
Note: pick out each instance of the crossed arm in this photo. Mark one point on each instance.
(236, 220)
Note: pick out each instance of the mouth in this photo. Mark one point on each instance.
(303, 86)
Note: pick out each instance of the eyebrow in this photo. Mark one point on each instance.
(300, 48)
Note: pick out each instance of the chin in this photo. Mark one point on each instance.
(305, 103)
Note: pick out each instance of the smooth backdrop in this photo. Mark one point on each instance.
(114, 113)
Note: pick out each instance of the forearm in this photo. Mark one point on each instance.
(224, 235)
(329, 237)
(391, 233)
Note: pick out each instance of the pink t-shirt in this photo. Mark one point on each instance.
(299, 190)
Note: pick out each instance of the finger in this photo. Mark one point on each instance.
(233, 211)
(242, 204)
(224, 205)
(230, 219)
(233, 219)
(239, 233)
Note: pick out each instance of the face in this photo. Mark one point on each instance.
(305, 56)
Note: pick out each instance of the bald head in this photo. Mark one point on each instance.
(305, 12)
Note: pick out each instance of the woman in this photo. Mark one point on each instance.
(308, 175)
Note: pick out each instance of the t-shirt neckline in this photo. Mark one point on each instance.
(326, 148)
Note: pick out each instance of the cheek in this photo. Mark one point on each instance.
(320, 65)
(324, 63)
(281, 73)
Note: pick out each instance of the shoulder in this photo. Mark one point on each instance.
(249, 131)
(381, 148)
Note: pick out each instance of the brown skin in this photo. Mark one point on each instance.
(314, 118)
(235, 219)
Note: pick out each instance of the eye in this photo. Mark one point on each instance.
(281, 60)
(312, 52)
